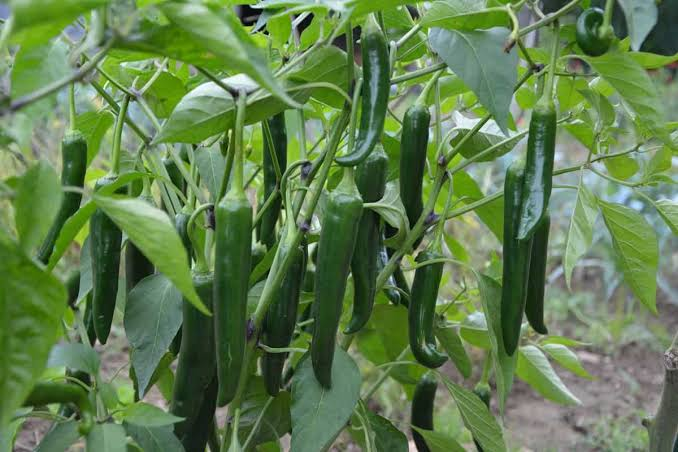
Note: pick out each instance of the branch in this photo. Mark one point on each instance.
(663, 428)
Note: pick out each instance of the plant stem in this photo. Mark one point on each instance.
(71, 106)
(57, 85)
(418, 73)
(117, 136)
(239, 154)
(407, 36)
(116, 109)
(549, 18)
(382, 378)
(663, 428)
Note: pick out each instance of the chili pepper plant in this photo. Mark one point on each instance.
(256, 203)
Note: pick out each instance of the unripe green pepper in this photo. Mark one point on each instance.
(276, 148)
(589, 33)
(413, 146)
(536, 282)
(423, 402)
(340, 223)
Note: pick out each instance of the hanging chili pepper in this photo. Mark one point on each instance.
(275, 147)
(423, 402)
(534, 304)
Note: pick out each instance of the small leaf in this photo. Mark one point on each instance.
(150, 229)
(668, 210)
(479, 59)
(566, 358)
(451, 342)
(477, 417)
(37, 201)
(211, 166)
(152, 319)
(580, 232)
(641, 17)
(319, 414)
(31, 305)
(622, 167)
(75, 356)
(391, 209)
(635, 244)
(535, 370)
(94, 125)
(107, 438)
(155, 439)
(147, 415)
(488, 135)
(439, 442)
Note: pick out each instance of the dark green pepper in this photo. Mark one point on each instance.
(516, 259)
(280, 321)
(105, 241)
(375, 91)
(589, 32)
(421, 311)
(413, 145)
(233, 258)
(370, 179)
(536, 282)
(340, 222)
(423, 402)
(196, 369)
(275, 146)
(74, 166)
(541, 145)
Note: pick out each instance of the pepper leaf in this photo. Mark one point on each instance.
(535, 370)
(580, 232)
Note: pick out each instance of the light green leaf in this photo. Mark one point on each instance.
(661, 161)
(478, 58)
(488, 135)
(566, 358)
(477, 417)
(635, 244)
(363, 7)
(535, 370)
(622, 167)
(491, 214)
(106, 438)
(580, 231)
(37, 201)
(94, 126)
(59, 438)
(634, 86)
(152, 319)
(147, 415)
(439, 442)
(390, 208)
(29, 13)
(31, 304)
(75, 356)
(668, 210)
(562, 340)
(211, 167)
(463, 15)
(641, 17)
(652, 60)
(150, 229)
(155, 439)
(319, 414)
(451, 342)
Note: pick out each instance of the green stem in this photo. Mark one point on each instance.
(548, 86)
(238, 151)
(117, 136)
(116, 109)
(549, 18)
(350, 58)
(409, 35)
(433, 81)
(418, 73)
(606, 26)
(613, 179)
(382, 378)
(302, 134)
(57, 85)
(260, 418)
(487, 367)
(71, 105)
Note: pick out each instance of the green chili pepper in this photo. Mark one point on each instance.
(423, 402)
(196, 370)
(371, 181)
(413, 145)
(541, 143)
(88, 320)
(534, 304)
(45, 393)
(421, 311)
(340, 224)
(74, 166)
(589, 34)
(376, 87)
(275, 146)
(280, 321)
(105, 241)
(516, 259)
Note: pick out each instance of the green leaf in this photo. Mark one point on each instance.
(487, 136)
(463, 15)
(150, 229)
(155, 439)
(75, 356)
(652, 60)
(326, 64)
(390, 208)
(94, 125)
(211, 167)
(634, 86)
(622, 167)
(147, 415)
(601, 104)
(451, 342)
(641, 17)
(478, 58)
(37, 201)
(477, 417)
(106, 438)
(491, 214)
(668, 210)
(635, 244)
(362, 7)
(474, 331)
(59, 438)
(504, 365)
(153, 316)
(660, 162)
(535, 370)
(9, 431)
(580, 231)
(566, 358)
(218, 30)
(29, 13)
(31, 304)
(319, 414)
(562, 340)
(439, 442)
(387, 438)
